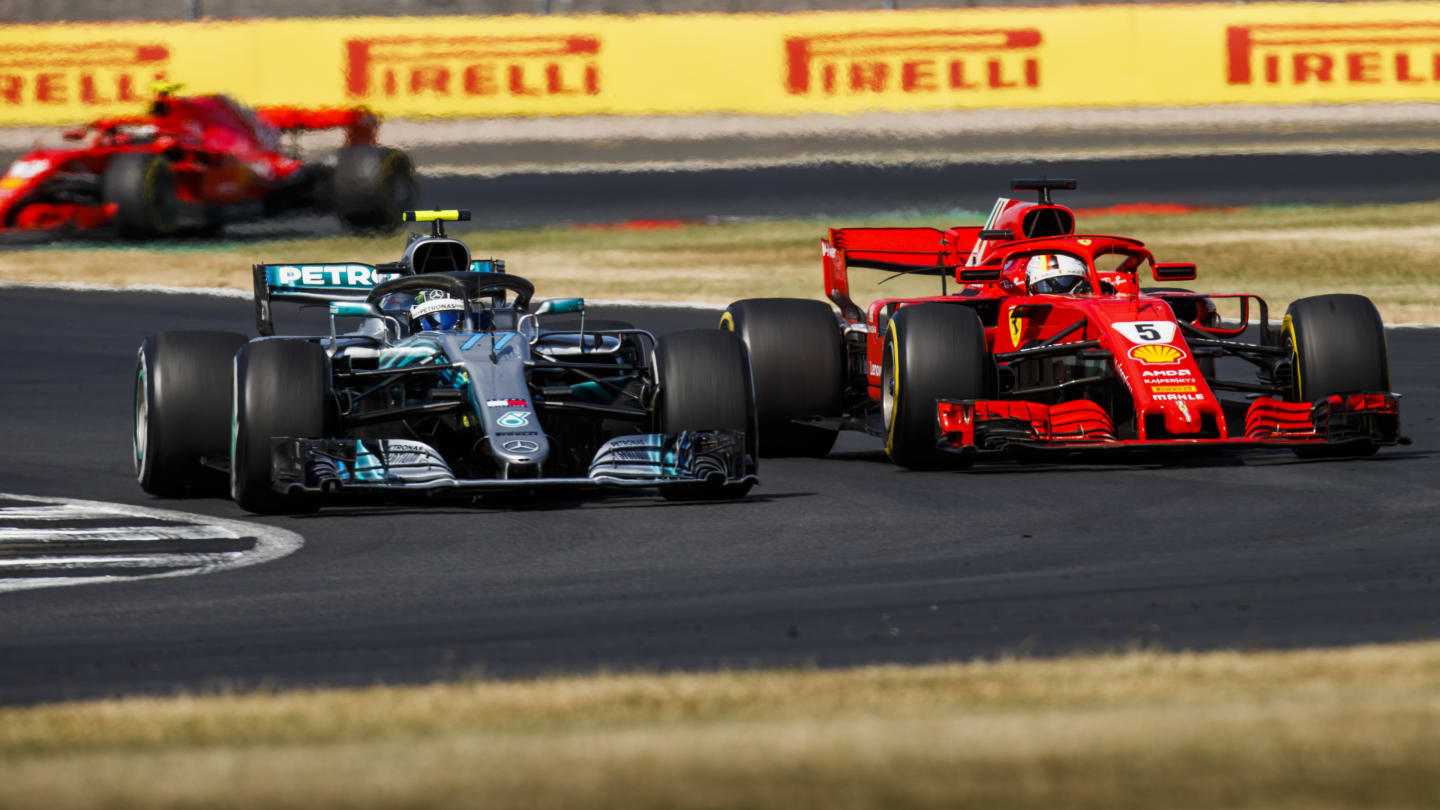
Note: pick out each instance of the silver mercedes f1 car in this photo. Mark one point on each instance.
(449, 377)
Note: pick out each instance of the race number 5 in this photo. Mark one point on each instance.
(1146, 331)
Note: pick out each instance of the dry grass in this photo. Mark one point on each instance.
(1387, 252)
(1312, 729)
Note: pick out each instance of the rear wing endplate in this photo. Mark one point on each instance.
(901, 250)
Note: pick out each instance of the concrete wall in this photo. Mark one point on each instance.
(86, 10)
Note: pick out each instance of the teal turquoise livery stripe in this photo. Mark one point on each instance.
(338, 275)
(367, 465)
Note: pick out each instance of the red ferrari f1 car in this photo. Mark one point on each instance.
(194, 163)
(1050, 344)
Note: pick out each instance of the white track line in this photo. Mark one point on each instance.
(429, 132)
(61, 512)
(204, 531)
(188, 559)
(80, 286)
(270, 543)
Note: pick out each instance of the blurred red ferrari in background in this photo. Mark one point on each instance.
(192, 164)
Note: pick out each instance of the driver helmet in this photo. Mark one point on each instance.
(1053, 273)
(435, 310)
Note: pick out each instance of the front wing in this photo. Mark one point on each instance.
(995, 426)
(714, 457)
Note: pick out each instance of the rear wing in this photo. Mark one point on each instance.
(925, 251)
(360, 124)
(321, 283)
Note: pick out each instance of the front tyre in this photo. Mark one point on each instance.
(932, 352)
(182, 406)
(798, 364)
(705, 385)
(281, 389)
(1339, 348)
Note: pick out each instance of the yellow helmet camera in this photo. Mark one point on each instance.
(437, 219)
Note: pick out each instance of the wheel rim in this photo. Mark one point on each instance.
(234, 429)
(139, 438)
(887, 388)
(161, 204)
(1287, 326)
(399, 186)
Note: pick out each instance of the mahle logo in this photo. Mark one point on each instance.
(96, 74)
(474, 66)
(1397, 54)
(916, 61)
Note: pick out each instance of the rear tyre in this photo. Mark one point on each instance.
(281, 389)
(1339, 348)
(373, 185)
(797, 360)
(705, 385)
(182, 411)
(932, 352)
(142, 188)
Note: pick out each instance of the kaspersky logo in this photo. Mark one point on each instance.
(1342, 54)
(91, 73)
(916, 61)
(475, 67)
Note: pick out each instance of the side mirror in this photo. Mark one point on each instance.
(354, 309)
(985, 274)
(558, 305)
(351, 309)
(78, 133)
(1174, 271)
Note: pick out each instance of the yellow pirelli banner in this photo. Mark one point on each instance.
(823, 62)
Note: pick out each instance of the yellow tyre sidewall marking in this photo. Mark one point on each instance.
(1288, 326)
(727, 322)
(893, 337)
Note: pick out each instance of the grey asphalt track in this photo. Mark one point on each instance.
(851, 189)
(845, 560)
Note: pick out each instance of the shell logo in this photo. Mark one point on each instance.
(1157, 354)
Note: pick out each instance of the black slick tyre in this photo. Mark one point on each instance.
(142, 188)
(373, 185)
(932, 352)
(281, 389)
(705, 385)
(1339, 348)
(797, 360)
(182, 411)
